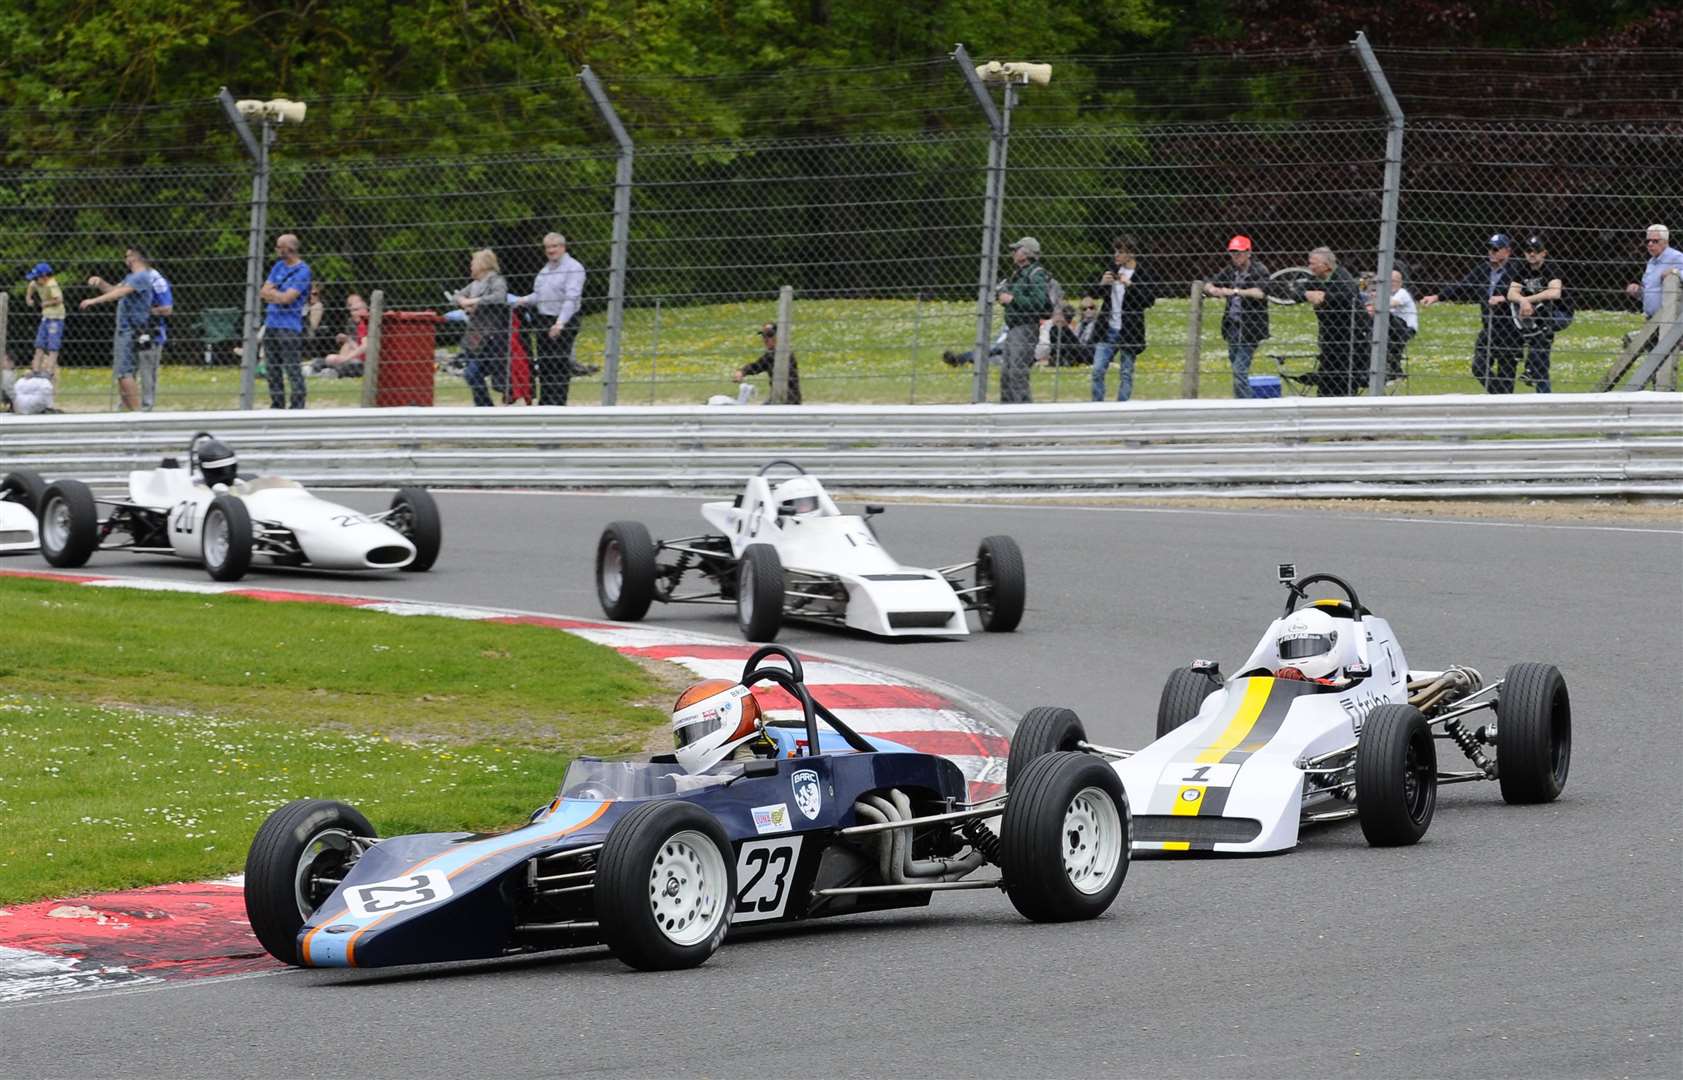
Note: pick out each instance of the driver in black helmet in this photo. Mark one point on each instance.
(217, 463)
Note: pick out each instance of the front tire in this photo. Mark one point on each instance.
(415, 515)
(24, 488)
(625, 571)
(759, 592)
(1396, 776)
(1066, 838)
(1533, 734)
(303, 841)
(1183, 695)
(1000, 573)
(225, 538)
(665, 886)
(69, 521)
(1045, 729)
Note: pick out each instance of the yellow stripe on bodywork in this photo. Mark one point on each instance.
(1187, 802)
(1244, 718)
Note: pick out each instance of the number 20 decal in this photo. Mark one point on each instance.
(764, 872)
(183, 519)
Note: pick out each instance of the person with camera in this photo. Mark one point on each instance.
(1540, 310)
(133, 297)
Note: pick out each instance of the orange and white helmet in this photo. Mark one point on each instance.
(711, 719)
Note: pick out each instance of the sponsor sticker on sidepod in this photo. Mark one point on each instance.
(773, 818)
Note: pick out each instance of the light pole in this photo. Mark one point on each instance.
(269, 114)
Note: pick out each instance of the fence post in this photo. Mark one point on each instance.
(1194, 341)
(780, 357)
(622, 235)
(258, 147)
(5, 314)
(1387, 213)
(999, 129)
(371, 355)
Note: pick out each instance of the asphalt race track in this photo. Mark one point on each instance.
(1513, 941)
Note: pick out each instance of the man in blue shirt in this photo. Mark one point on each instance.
(1663, 259)
(163, 306)
(134, 319)
(283, 323)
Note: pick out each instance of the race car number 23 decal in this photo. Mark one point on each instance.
(764, 870)
(415, 890)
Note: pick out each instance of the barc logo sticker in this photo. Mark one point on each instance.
(415, 890)
(808, 795)
(773, 818)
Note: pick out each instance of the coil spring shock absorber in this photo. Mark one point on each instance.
(982, 839)
(1469, 746)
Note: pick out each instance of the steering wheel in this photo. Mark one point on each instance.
(794, 681)
(1295, 591)
(770, 465)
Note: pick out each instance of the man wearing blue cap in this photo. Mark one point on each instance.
(49, 335)
(1499, 345)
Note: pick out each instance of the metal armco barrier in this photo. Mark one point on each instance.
(1452, 445)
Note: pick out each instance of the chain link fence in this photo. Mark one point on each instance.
(880, 233)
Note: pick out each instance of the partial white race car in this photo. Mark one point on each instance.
(204, 512)
(20, 494)
(1324, 721)
(785, 550)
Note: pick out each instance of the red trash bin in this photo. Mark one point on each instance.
(405, 374)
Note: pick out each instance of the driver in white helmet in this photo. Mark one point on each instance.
(1311, 647)
(713, 721)
(800, 496)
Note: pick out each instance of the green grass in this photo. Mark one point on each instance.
(143, 736)
(889, 352)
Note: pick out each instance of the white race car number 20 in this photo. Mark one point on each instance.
(764, 871)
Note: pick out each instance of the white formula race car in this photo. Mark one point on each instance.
(205, 512)
(20, 495)
(786, 551)
(1324, 721)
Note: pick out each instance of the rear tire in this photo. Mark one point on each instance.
(625, 571)
(665, 886)
(1045, 729)
(759, 592)
(1533, 734)
(24, 488)
(1396, 776)
(69, 521)
(1066, 838)
(303, 839)
(225, 538)
(421, 525)
(999, 567)
(1183, 695)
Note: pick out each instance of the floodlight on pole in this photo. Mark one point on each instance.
(1014, 72)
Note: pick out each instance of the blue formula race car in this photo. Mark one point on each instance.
(657, 856)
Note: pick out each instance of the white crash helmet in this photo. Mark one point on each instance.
(711, 719)
(801, 494)
(1310, 642)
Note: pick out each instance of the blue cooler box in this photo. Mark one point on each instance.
(1265, 386)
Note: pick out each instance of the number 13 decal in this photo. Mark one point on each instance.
(764, 871)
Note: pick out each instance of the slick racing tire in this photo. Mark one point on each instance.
(225, 538)
(1183, 695)
(759, 593)
(625, 571)
(1396, 776)
(665, 886)
(1004, 584)
(1045, 729)
(1066, 838)
(296, 850)
(1533, 734)
(24, 488)
(69, 521)
(415, 515)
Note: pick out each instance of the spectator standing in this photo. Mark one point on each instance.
(133, 297)
(1027, 298)
(286, 292)
(558, 295)
(1663, 259)
(49, 334)
(485, 345)
(152, 357)
(1123, 292)
(1497, 348)
(766, 365)
(1341, 329)
(1537, 299)
(1244, 321)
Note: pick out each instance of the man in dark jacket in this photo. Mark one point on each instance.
(1341, 320)
(1244, 321)
(1123, 292)
(1497, 349)
(1027, 298)
(767, 364)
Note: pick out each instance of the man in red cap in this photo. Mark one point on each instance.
(1244, 321)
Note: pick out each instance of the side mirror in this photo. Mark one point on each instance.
(872, 509)
(785, 511)
(760, 767)
(1358, 671)
(1207, 667)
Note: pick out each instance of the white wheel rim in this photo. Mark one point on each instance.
(687, 886)
(613, 572)
(216, 538)
(1093, 840)
(302, 886)
(55, 525)
(745, 591)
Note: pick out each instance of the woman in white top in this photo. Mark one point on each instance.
(1405, 323)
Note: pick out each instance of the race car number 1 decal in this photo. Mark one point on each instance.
(764, 870)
